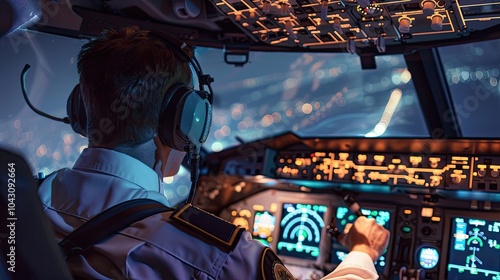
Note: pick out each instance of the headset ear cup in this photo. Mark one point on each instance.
(185, 118)
(169, 117)
(196, 117)
(75, 109)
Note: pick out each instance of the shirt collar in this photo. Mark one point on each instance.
(119, 165)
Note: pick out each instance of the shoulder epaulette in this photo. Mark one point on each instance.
(207, 226)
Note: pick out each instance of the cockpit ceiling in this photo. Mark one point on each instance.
(362, 26)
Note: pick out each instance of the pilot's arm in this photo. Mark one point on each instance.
(366, 241)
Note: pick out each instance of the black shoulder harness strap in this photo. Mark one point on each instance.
(109, 222)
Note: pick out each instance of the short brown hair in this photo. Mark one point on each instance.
(124, 75)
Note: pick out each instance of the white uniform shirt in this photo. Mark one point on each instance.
(152, 248)
(355, 266)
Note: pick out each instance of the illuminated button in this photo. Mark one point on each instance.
(407, 211)
(436, 219)
(247, 213)
(415, 160)
(379, 159)
(237, 16)
(406, 229)
(343, 156)
(433, 161)
(494, 173)
(361, 158)
(456, 178)
(435, 180)
(481, 172)
(426, 212)
(258, 207)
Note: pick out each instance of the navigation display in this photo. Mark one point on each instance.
(263, 226)
(300, 230)
(474, 249)
(345, 216)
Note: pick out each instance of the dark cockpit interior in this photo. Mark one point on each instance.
(390, 102)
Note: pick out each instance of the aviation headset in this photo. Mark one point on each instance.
(186, 113)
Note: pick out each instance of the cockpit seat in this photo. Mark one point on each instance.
(28, 248)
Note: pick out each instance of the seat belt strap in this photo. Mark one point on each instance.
(109, 222)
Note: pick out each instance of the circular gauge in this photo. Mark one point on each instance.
(241, 221)
(373, 10)
(428, 257)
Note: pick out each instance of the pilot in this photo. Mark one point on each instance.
(131, 84)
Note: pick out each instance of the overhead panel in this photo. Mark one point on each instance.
(324, 24)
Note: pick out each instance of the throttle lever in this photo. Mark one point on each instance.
(332, 228)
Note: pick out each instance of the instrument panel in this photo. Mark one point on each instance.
(328, 24)
(462, 169)
(435, 171)
(364, 27)
(439, 198)
(450, 241)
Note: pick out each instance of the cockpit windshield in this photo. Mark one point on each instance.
(472, 73)
(311, 94)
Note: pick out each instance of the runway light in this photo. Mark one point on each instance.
(390, 108)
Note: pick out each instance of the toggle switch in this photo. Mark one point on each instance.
(324, 10)
(289, 29)
(284, 7)
(336, 24)
(266, 6)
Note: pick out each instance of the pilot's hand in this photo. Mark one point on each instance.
(365, 235)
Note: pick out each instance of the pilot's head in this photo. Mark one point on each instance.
(124, 76)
